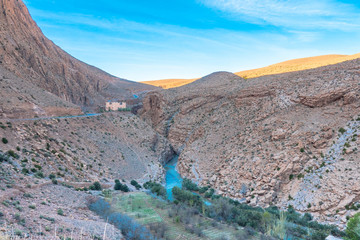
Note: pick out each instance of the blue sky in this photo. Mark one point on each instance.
(157, 39)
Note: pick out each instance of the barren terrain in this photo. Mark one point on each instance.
(259, 140)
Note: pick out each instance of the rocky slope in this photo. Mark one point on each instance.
(278, 68)
(21, 99)
(25, 51)
(261, 140)
(109, 146)
(77, 152)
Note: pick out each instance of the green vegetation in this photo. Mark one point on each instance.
(60, 212)
(189, 185)
(353, 228)
(170, 221)
(4, 140)
(120, 187)
(96, 186)
(186, 197)
(156, 188)
(11, 153)
(135, 184)
(342, 130)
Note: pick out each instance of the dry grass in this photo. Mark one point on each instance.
(170, 83)
(283, 67)
(297, 65)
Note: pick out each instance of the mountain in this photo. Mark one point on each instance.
(274, 140)
(49, 164)
(297, 65)
(27, 53)
(283, 67)
(169, 83)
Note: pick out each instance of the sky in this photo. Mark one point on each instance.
(159, 39)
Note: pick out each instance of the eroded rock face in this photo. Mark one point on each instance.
(265, 134)
(25, 51)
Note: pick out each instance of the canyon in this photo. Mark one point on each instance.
(282, 135)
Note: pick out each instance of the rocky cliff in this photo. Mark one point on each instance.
(25, 51)
(263, 140)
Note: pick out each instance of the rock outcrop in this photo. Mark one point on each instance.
(266, 135)
(25, 51)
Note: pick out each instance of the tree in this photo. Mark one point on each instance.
(122, 187)
(96, 186)
(353, 227)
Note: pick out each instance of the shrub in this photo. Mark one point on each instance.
(96, 186)
(60, 212)
(353, 227)
(120, 187)
(4, 140)
(189, 185)
(186, 197)
(52, 176)
(11, 153)
(39, 175)
(135, 184)
(342, 130)
(4, 158)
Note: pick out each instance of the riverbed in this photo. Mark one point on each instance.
(172, 177)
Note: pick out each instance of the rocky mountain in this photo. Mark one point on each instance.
(27, 53)
(279, 139)
(278, 68)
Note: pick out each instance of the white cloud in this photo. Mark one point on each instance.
(300, 14)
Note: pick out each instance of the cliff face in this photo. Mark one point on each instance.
(263, 140)
(25, 51)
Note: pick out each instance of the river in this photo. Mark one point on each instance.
(172, 177)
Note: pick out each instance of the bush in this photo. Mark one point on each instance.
(189, 185)
(11, 153)
(186, 197)
(342, 130)
(4, 140)
(156, 188)
(121, 187)
(39, 175)
(96, 186)
(52, 176)
(353, 227)
(209, 193)
(60, 212)
(135, 184)
(4, 158)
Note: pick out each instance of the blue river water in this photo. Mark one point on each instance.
(173, 179)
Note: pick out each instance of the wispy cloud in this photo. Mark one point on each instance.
(298, 14)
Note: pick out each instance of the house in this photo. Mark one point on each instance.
(115, 105)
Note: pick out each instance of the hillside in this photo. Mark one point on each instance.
(278, 68)
(27, 53)
(169, 83)
(279, 139)
(297, 65)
